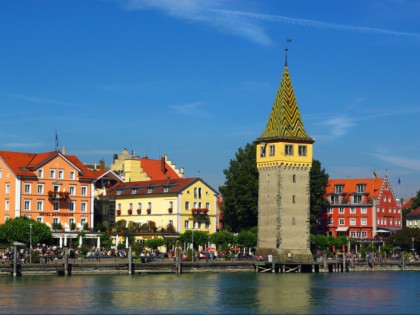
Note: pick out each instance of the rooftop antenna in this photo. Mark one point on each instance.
(288, 40)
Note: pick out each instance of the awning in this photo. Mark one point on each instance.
(382, 231)
(342, 229)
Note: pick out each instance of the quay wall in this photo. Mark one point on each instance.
(121, 266)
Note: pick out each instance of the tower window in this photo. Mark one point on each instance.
(288, 149)
(272, 150)
(294, 178)
(262, 151)
(294, 199)
(302, 150)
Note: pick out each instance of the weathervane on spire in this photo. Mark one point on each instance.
(288, 40)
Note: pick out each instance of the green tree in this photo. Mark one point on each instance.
(405, 239)
(200, 238)
(18, 230)
(318, 184)
(247, 238)
(154, 243)
(240, 191)
(222, 239)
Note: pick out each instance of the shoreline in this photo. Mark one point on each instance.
(121, 266)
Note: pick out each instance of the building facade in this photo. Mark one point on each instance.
(361, 208)
(284, 159)
(412, 218)
(48, 187)
(184, 203)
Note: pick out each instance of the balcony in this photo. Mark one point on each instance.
(58, 195)
(199, 211)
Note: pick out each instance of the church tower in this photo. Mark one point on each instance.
(284, 159)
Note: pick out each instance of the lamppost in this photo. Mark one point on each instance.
(30, 243)
(412, 245)
(193, 253)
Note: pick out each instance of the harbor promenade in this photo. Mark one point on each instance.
(119, 265)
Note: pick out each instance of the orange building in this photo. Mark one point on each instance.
(48, 187)
(361, 208)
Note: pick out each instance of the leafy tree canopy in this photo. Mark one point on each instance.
(247, 238)
(318, 185)
(18, 230)
(223, 239)
(240, 191)
(199, 237)
(154, 243)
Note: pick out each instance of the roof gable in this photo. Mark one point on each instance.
(350, 186)
(157, 169)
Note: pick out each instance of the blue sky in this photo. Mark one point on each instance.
(196, 80)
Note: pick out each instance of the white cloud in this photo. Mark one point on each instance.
(34, 99)
(219, 15)
(317, 24)
(207, 12)
(400, 161)
(188, 109)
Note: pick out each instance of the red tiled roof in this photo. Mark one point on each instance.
(408, 203)
(153, 168)
(350, 185)
(25, 164)
(414, 213)
(175, 185)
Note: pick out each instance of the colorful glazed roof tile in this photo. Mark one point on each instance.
(285, 122)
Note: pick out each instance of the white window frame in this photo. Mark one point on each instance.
(288, 149)
(83, 206)
(40, 173)
(352, 221)
(72, 175)
(272, 150)
(7, 205)
(340, 221)
(363, 221)
(39, 205)
(186, 224)
(27, 205)
(60, 174)
(72, 190)
(27, 188)
(52, 173)
(84, 190)
(40, 189)
(72, 206)
(7, 188)
(56, 206)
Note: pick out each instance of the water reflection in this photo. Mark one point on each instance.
(208, 293)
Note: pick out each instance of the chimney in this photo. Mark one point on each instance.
(163, 165)
(63, 150)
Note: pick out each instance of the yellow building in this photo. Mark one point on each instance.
(185, 203)
(132, 168)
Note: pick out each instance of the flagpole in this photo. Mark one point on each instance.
(374, 223)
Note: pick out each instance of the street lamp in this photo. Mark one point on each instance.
(412, 245)
(30, 243)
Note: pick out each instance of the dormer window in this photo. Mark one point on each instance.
(360, 188)
(166, 189)
(149, 190)
(338, 189)
(118, 192)
(40, 173)
(134, 191)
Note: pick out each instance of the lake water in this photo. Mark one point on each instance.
(214, 293)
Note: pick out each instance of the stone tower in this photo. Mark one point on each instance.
(284, 159)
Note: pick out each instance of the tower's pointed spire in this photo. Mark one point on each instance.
(285, 122)
(285, 61)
